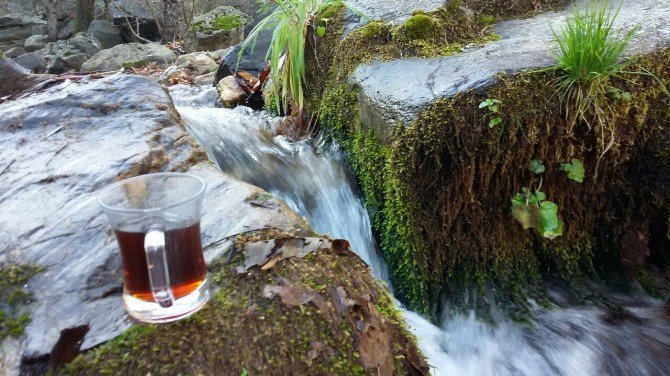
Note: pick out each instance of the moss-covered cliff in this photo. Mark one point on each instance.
(439, 189)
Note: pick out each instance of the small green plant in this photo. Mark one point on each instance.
(291, 21)
(418, 26)
(589, 54)
(575, 170)
(492, 106)
(532, 210)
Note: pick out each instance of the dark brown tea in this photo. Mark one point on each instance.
(186, 263)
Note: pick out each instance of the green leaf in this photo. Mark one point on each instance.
(536, 198)
(485, 104)
(495, 121)
(550, 226)
(518, 200)
(575, 170)
(536, 166)
(321, 31)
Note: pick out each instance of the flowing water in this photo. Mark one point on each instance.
(570, 340)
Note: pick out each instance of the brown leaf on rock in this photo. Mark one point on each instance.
(293, 295)
(320, 350)
(268, 253)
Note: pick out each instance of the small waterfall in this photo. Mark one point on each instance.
(317, 184)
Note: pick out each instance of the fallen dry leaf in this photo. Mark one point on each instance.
(265, 252)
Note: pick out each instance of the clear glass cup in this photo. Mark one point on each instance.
(156, 219)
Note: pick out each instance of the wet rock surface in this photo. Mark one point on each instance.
(396, 91)
(60, 148)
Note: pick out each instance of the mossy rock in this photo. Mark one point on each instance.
(243, 330)
(220, 28)
(14, 297)
(438, 190)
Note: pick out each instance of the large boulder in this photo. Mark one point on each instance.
(16, 78)
(35, 61)
(15, 28)
(60, 148)
(107, 34)
(129, 55)
(220, 28)
(65, 55)
(35, 42)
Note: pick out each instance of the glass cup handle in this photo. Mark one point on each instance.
(159, 277)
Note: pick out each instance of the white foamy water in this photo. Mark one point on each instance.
(318, 185)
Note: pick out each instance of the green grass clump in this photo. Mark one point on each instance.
(589, 54)
(291, 21)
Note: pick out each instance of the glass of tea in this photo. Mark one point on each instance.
(156, 219)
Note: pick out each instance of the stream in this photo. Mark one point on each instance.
(316, 183)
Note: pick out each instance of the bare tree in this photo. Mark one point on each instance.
(84, 14)
(171, 12)
(53, 11)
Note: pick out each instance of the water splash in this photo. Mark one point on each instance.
(318, 185)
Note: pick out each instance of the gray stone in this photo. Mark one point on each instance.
(14, 52)
(15, 28)
(205, 35)
(33, 61)
(35, 42)
(67, 30)
(84, 42)
(16, 78)
(230, 92)
(199, 62)
(60, 148)
(393, 11)
(107, 34)
(131, 54)
(396, 91)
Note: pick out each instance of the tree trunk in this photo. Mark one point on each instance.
(171, 11)
(53, 11)
(84, 14)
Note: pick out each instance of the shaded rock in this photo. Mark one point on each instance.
(129, 55)
(67, 30)
(33, 61)
(138, 14)
(107, 34)
(15, 28)
(15, 77)
(60, 148)
(388, 97)
(230, 92)
(84, 42)
(14, 52)
(35, 42)
(220, 28)
(65, 55)
(253, 60)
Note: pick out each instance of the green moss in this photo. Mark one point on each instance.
(418, 26)
(241, 329)
(13, 297)
(438, 190)
(223, 22)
